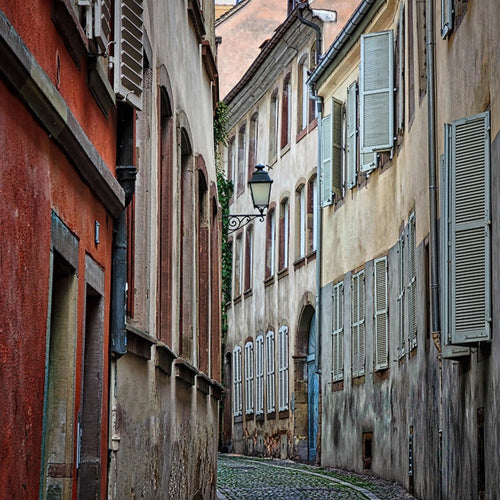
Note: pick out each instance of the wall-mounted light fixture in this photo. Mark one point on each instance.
(260, 188)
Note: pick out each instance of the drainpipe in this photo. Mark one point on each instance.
(433, 221)
(319, 107)
(126, 177)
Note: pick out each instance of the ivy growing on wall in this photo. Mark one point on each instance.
(225, 190)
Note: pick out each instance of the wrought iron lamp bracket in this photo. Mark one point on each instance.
(236, 222)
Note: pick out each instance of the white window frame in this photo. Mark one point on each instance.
(412, 283)
(302, 216)
(315, 213)
(272, 249)
(358, 323)
(270, 372)
(237, 388)
(249, 378)
(283, 382)
(338, 332)
(381, 309)
(259, 375)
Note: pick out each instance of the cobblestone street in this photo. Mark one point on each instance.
(258, 479)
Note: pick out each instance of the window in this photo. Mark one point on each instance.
(270, 373)
(381, 316)
(466, 241)
(286, 105)
(237, 389)
(331, 154)
(259, 375)
(283, 368)
(302, 95)
(284, 234)
(249, 377)
(338, 332)
(421, 49)
(241, 159)
(376, 96)
(301, 221)
(452, 12)
(412, 284)
(253, 137)
(238, 266)
(401, 294)
(231, 161)
(358, 324)
(400, 71)
(248, 258)
(313, 111)
(312, 213)
(273, 127)
(270, 242)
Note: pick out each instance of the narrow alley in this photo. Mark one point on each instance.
(241, 478)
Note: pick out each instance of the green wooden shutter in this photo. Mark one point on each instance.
(351, 106)
(376, 95)
(128, 53)
(448, 350)
(470, 277)
(337, 107)
(326, 161)
(381, 323)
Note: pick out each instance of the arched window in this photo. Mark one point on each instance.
(302, 95)
(286, 104)
(273, 127)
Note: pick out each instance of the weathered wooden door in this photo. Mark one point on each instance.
(312, 390)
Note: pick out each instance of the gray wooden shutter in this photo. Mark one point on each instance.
(381, 323)
(358, 324)
(401, 295)
(128, 54)
(470, 230)
(448, 350)
(102, 23)
(351, 106)
(412, 283)
(376, 95)
(338, 332)
(337, 107)
(326, 161)
(446, 17)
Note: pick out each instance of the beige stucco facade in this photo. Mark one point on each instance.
(428, 406)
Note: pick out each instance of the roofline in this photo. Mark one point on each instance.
(347, 37)
(231, 11)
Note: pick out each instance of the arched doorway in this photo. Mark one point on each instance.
(312, 391)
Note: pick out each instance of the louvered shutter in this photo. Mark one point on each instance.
(102, 23)
(448, 350)
(361, 320)
(351, 106)
(376, 95)
(358, 324)
(326, 161)
(401, 295)
(337, 147)
(446, 17)
(470, 278)
(381, 323)
(412, 283)
(337, 333)
(128, 55)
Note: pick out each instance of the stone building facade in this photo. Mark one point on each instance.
(409, 139)
(272, 403)
(99, 98)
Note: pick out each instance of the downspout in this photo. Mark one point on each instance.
(126, 177)
(433, 220)
(319, 109)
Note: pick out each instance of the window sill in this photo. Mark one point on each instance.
(283, 414)
(218, 390)
(247, 293)
(381, 375)
(259, 417)
(185, 372)
(300, 135)
(238, 419)
(311, 256)
(164, 358)
(284, 150)
(300, 262)
(358, 380)
(249, 415)
(139, 342)
(312, 125)
(271, 415)
(338, 386)
(269, 280)
(203, 383)
(283, 273)
(237, 299)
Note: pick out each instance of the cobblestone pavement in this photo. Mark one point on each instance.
(246, 478)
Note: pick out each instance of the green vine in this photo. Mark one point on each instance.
(225, 190)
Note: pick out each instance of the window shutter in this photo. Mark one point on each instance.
(401, 295)
(381, 323)
(447, 349)
(337, 147)
(337, 333)
(358, 324)
(376, 94)
(128, 55)
(351, 136)
(470, 277)
(326, 161)
(102, 23)
(401, 70)
(446, 17)
(412, 283)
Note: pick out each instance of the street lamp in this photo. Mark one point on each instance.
(260, 188)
